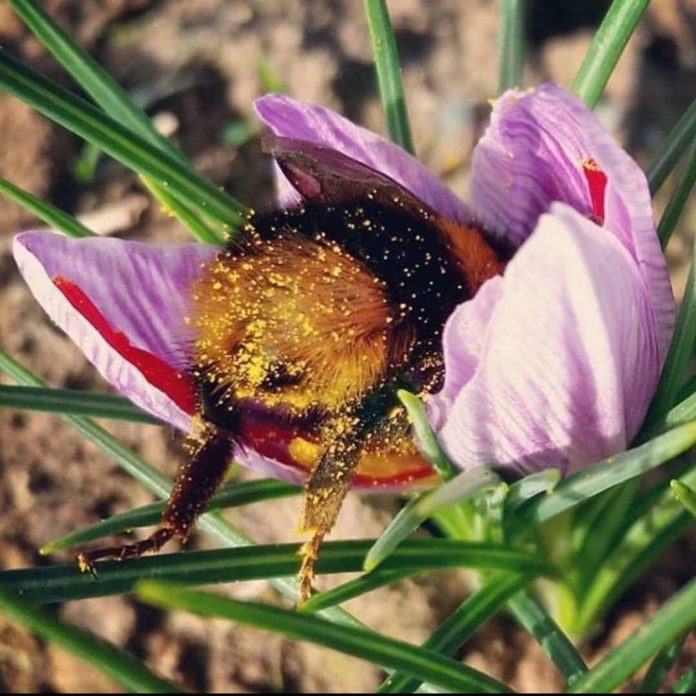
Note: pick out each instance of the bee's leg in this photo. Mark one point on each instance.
(197, 480)
(324, 493)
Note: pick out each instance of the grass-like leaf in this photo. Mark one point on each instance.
(608, 44)
(65, 582)
(419, 509)
(678, 198)
(352, 588)
(675, 617)
(230, 495)
(672, 148)
(661, 522)
(109, 95)
(419, 662)
(660, 666)
(608, 473)
(459, 626)
(386, 59)
(511, 43)
(74, 401)
(122, 668)
(45, 211)
(680, 350)
(429, 445)
(685, 495)
(96, 127)
(535, 619)
(686, 684)
(529, 487)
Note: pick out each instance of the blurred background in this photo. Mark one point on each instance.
(196, 66)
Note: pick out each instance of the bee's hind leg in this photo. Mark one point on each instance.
(210, 452)
(324, 493)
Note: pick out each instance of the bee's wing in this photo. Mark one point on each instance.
(324, 175)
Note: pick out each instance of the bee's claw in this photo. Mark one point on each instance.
(86, 566)
(309, 554)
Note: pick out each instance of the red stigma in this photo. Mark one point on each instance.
(174, 383)
(597, 184)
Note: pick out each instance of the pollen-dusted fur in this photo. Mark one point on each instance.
(295, 323)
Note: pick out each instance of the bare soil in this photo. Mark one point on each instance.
(195, 65)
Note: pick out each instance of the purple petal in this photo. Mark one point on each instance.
(537, 151)
(295, 120)
(124, 304)
(569, 359)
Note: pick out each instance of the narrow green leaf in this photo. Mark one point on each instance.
(418, 662)
(611, 519)
(122, 668)
(386, 58)
(511, 43)
(535, 619)
(44, 211)
(105, 91)
(675, 617)
(685, 495)
(530, 486)
(608, 473)
(419, 509)
(459, 626)
(109, 95)
(96, 127)
(658, 525)
(352, 588)
(429, 445)
(680, 350)
(183, 213)
(84, 165)
(608, 44)
(672, 148)
(73, 401)
(230, 495)
(686, 684)
(663, 662)
(65, 582)
(678, 198)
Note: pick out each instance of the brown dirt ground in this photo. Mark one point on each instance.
(194, 63)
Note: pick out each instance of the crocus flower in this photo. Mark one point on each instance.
(551, 364)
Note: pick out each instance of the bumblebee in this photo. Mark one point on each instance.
(305, 326)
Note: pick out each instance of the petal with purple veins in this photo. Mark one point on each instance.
(570, 358)
(545, 145)
(124, 305)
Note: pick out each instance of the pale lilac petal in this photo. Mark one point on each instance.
(464, 339)
(570, 357)
(289, 118)
(141, 292)
(533, 153)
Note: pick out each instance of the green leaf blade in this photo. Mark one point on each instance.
(608, 44)
(73, 401)
(675, 617)
(51, 215)
(122, 668)
(424, 664)
(511, 44)
(386, 59)
(90, 123)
